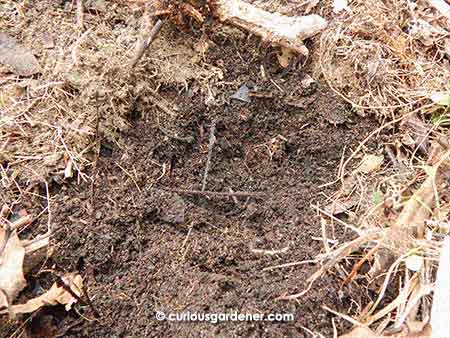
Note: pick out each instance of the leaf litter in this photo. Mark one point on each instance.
(12, 280)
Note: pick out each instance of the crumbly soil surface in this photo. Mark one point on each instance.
(143, 245)
(148, 248)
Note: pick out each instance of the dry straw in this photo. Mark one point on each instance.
(386, 56)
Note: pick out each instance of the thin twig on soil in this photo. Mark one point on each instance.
(360, 263)
(361, 144)
(161, 103)
(288, 265)
(145, 41)
(89, 301)
(333, 258)
(218, 194)
(212, 141)
(130, 176)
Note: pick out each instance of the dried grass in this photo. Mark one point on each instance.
(48, 125)
(386, 57)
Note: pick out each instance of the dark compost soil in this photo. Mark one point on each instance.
(149, 249)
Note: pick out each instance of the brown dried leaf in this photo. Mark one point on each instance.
(12, 280)
(284, 59)
(56, 295)
(16, 56)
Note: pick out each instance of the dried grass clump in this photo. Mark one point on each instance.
(400, 216)
(386, 56)
(49, 124)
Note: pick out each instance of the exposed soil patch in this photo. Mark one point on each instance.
(150, 250)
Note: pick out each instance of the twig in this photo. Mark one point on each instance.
(218, 194)
(145, 41)
(212, 141)
(360, 263)
(6, 235)
(130, 176)
(288, 265)
(22, 222)
(97, 150)
(80, 13)
(161, 103)
(89, 301)
(270, 252)
(187, 139)
(49, 220)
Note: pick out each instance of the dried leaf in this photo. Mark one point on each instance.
(56, 295)
(12, 280)
(284, 59)
(339, 207)
(370, 164)
(415, 133)
(16, 56)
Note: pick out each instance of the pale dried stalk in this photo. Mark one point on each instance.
(417, 210)
(442, 7)
(275, 28)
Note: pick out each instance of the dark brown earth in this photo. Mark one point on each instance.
(149, 249)
(143, 246)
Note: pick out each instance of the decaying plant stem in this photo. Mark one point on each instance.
(212, 141)
(275, 28)
(144, 42)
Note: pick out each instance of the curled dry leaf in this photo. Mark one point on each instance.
(16, 56)
(370, 164)
(415, 133)
(56, 295)
(419, 206)
(285, 57)
(12, 280)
